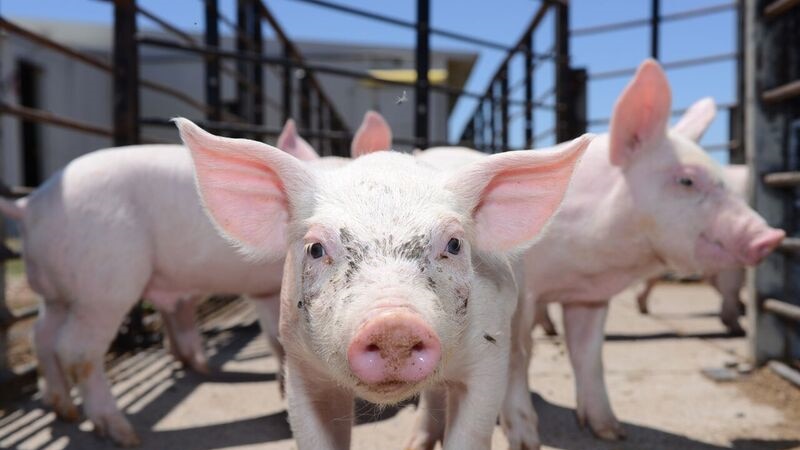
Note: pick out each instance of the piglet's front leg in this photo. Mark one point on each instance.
(321, 413)
(473, 404)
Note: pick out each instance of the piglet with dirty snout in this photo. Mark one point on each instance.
(396, 276)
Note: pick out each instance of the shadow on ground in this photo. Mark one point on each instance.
(558, 428)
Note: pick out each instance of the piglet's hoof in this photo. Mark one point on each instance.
(117, 428)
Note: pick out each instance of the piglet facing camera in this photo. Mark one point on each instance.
(394, 272)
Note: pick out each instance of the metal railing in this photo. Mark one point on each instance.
(772, 129)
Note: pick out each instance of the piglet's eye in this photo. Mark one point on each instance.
(686, 181)
(453, 246)
(315, 250)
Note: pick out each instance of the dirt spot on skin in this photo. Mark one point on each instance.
(489, 338)
(80, 371)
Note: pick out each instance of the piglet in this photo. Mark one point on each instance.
(396, 276)
(644, 200)
(121, 224)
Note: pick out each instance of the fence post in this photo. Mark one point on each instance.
(305, 103)
(577, 105)
(492, 117)
(529, 66)
(287, 83)
(126, 74)
(257, 36)
(736, 155)
(422, 83)
(563, 94)
(504, 111)
(212, 81)
(655, 27)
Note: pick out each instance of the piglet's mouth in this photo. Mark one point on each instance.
(713, 251)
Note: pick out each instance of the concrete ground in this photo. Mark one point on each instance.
(653, 369)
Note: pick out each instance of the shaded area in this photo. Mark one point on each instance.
(559, 428)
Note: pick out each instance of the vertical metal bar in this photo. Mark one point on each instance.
(736, 119)
(655, 25)
(213, 97)
(504, 110)
(305, 103)
(326, 148)
(563, 93)
(126, 74)
(578, 113)
(287, 84)
(492, 117)
(257, 36)
(320, 125)
(529, 50)
(422, 65)
(243, 96)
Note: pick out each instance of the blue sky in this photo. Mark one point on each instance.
(499, 21)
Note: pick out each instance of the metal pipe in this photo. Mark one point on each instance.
(783, 309)
(655, 18)
(38, 115)
(212, 75)
(422, 63)
(126, 74)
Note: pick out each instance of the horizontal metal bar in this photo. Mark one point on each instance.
(617, 73)
(165, 25)
(781, 93)
(16, 316)
(783, 309)
(782, 179)
(38, 115)
(14, 191)
(607, 27)
(407, 24)
(788, 373)
(635, 23)
(779, 7)
(790, 245)
(697, 12)
(246, 128)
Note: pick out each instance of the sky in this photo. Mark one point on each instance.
(499, 21)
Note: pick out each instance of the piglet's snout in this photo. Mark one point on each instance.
(763, 244)
(394, 346)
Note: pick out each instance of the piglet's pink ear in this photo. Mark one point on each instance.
(249, 189)
(640, 115)
(512, 195)
(373, 135)
(695, 121)
(291, 142)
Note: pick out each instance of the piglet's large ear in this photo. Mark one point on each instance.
(373, 135)
(640, 115)
(249, 189)
(695, 121)
(512, 195)
(291, 142)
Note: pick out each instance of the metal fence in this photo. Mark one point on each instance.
(772, 129)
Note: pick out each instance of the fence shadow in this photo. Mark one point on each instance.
(559, 428)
